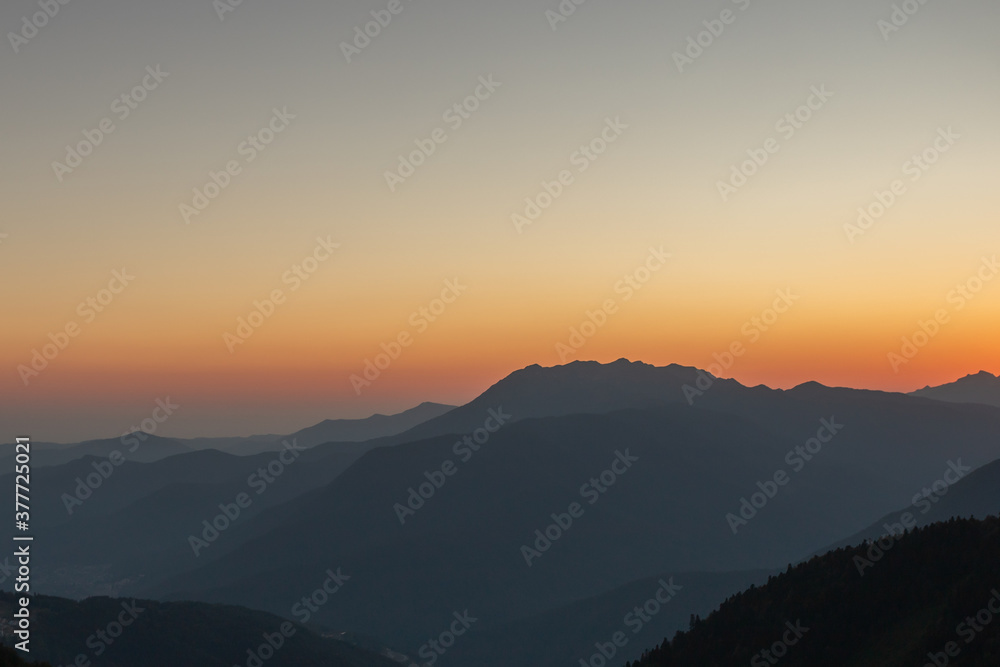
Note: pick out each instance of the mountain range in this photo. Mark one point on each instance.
(146, 447)
(669, 512)
(546, 508)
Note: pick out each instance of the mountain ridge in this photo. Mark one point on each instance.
(982, 388)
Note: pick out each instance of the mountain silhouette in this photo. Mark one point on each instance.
(670, 470)
(983, 388)
(463, 546)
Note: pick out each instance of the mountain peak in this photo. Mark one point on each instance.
(982, 387)
(812, 384)
(592, 386)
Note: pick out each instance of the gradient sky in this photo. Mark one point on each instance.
(323, 176)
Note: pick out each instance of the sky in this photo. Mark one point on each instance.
(652, 176)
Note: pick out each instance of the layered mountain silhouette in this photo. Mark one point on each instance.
(141, 447)
(463, 548)
(131, 522)
(330, 430)
(150, 448)
(545, 509)
(376, 426)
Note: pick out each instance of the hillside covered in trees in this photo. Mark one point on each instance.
(110, 632)
(12, 658)
(931, 596)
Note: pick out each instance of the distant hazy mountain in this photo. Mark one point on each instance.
(376, 426)
(149, 448)
(981, 388)
(330, 430)
(930, 599)
(146, 448)
(178, 634)
(464, 547)
(976, 495)
(130, 523)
